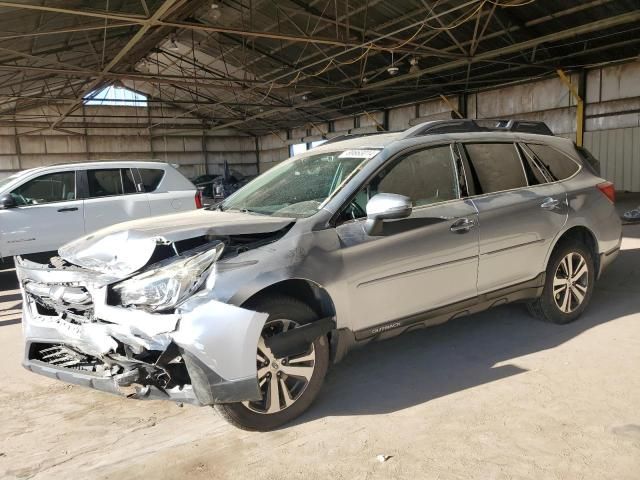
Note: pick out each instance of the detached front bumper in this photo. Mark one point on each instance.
(203, 353)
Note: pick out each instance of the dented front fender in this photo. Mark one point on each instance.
(217, 341)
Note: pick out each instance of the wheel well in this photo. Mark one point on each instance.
(304, 290)
(584, 236)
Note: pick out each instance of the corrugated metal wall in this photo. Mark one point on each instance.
(122, 133)
(619, 153)
(612, 127)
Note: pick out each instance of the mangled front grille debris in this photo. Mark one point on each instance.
(83, 327)
(71, 303)
(62, 356)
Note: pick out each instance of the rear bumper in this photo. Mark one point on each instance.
(607, 259)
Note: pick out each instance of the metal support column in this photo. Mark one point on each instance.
(579, 106)
(462, 104)
(204, 152)
(257, 155)
(454, 111)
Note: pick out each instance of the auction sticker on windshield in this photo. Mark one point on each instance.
(359, 154)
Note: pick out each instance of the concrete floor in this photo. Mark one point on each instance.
(493, 396)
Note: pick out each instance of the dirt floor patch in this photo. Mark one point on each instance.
(497, 395)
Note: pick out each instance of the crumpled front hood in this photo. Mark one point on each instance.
(122, 249)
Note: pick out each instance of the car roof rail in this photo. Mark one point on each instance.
(349, 136)
(465, 125)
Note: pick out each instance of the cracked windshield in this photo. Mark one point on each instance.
(298, 187)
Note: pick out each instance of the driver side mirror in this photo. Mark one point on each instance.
(7, 201)
(386, 206)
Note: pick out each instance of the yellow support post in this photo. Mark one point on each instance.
(579, 106)
(450, 105)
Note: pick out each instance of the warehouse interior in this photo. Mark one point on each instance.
(245, 81)
(220, 87)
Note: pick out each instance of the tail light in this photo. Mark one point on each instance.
(198, 199)
(608, 190)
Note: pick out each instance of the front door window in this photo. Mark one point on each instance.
(49, 188)
(425, 176)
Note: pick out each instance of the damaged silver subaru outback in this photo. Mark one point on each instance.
(245, 306)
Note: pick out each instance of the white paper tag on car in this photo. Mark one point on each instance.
(359, 153)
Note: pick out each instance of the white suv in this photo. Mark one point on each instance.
(46, 207)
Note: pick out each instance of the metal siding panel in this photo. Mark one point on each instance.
(627, 147)
(596, 140)
(635, 169)
(619, 158)
(602, 152)
(595, 145)
(609, 153)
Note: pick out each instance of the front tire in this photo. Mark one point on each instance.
(289, 385)
(569, 283)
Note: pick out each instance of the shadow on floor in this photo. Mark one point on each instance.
(8, 281)
(13, 321)
(423, 365)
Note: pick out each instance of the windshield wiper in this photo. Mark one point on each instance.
(216, 206)
(248, 210)
(241, 210)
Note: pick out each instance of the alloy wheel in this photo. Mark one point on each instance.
(571, 282)
(281, 380)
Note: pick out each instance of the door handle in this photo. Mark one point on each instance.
(462, 226)
(550, 203)
(68, 209)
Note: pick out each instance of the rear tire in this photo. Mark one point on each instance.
(568, 286)
(296, 390)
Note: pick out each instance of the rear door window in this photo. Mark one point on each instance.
(52, 187)
(495, 167)
(556, 164)
(105, 182)
(151, 178)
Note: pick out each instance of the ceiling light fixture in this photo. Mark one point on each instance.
(215, 12)
(414, 68)
(392, 70)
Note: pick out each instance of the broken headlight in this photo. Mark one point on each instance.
(168, 283)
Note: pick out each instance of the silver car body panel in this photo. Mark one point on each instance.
(127, 247)
(374, 287)
(421, 250)
(516, 234)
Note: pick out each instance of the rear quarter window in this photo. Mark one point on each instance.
(151, 178)
(591, 162)
(556, 164)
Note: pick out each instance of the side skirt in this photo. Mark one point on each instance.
(521, 291)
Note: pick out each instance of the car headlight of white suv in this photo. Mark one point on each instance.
(166, 284)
